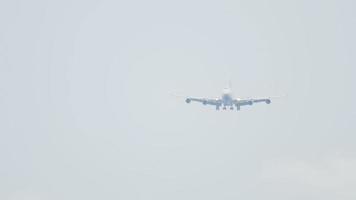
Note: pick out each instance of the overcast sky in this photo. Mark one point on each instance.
(86, 110)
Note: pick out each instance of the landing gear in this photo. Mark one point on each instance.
(232, 107)
(224, 108)
(237, 107)
(217, 107)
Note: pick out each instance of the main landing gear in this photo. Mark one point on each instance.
(237, 107)
(230, 107)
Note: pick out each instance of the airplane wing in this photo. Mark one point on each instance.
(205, 101)
(250, 101)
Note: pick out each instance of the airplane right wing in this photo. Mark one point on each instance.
(205, 101)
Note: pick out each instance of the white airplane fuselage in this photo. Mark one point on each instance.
(227, 98)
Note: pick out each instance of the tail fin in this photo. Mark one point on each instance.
(229, 84)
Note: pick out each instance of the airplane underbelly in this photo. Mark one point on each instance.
(227, 100)
(227, 103)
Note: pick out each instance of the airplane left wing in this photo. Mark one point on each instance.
(243, 102)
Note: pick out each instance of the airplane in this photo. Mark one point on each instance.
(227, 100)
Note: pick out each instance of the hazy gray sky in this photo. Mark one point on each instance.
(85, 109)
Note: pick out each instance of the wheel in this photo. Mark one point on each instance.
(231, 108)
(224, 108)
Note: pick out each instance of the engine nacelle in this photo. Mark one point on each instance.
(188, 100)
